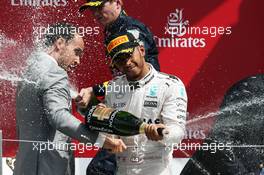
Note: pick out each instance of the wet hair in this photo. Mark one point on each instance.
(59, 30)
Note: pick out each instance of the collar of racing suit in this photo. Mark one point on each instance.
(145, 80)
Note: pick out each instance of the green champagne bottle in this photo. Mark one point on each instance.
(116, 122)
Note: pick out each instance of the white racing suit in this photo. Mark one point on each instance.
(156, 98)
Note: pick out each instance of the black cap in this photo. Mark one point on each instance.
(92, 4)
(120, 43)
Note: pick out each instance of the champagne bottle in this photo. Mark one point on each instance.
(116, 122)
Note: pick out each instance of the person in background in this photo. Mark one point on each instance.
(111, 15)
(240, 123)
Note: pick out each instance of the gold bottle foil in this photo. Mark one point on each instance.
(102, 113)
(142, 128)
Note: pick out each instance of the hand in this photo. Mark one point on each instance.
(152, 133)
(114, 145)
(84, 97)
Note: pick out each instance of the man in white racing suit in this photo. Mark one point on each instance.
(156, 98)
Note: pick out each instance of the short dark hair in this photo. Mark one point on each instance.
(59, 30)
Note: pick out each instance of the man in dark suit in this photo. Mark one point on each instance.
(43, 108)
(112, 16)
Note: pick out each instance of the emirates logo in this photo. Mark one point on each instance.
(39, 3)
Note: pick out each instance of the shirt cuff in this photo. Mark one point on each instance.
(100, 140)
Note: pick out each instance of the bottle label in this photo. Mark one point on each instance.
(112, 117)
(90, 113)
(101, 129)
(102, 113)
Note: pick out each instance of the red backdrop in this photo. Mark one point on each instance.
(207, 71)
